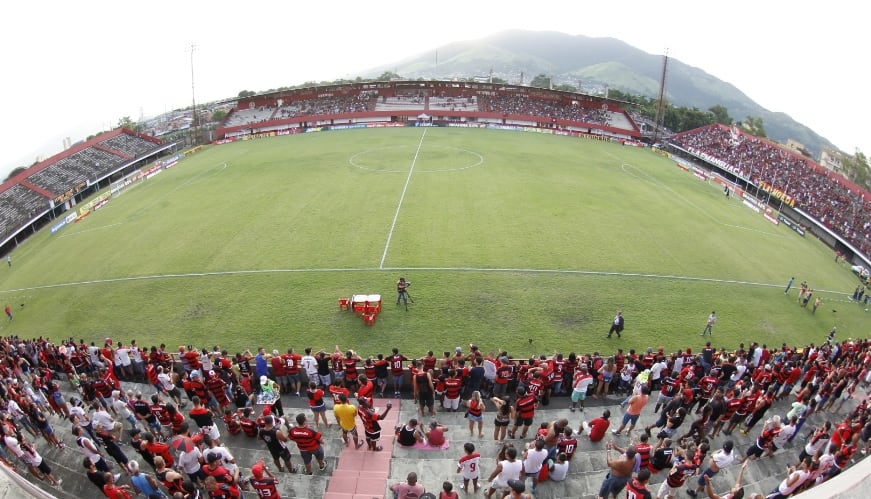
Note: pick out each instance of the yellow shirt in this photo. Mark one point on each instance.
(346, 415)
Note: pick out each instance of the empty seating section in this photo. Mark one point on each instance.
(130, 144)
(18, 205)
(453, 103)
(250, 115)
(411, 103)
(317, 106)
(815, 192)
(89, 164)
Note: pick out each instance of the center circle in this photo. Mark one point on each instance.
(398, 159)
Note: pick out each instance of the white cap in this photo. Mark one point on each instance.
(263, 380)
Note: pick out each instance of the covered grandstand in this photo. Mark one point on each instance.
(442, 102)
(46, 190)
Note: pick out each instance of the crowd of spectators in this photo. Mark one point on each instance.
(724, 390)
(815, 191)
(524, 105)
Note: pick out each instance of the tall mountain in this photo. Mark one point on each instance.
(595, 63)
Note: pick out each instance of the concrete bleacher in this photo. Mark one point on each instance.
(400, 103)
(18, 204)
(452, 103)
(359, 474)
(251, 115)
(130, 144)
(89, 164)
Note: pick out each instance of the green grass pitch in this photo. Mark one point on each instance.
(505, 237)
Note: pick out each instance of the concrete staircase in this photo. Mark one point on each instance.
(361, 474)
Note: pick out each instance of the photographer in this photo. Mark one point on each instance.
(401, 290)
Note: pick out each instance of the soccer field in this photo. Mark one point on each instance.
(506, 237)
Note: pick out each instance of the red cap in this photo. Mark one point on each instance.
(257, 470)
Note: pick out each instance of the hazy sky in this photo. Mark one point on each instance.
(72, 69)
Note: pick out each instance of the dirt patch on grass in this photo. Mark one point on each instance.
(197, 311)
(573, 321)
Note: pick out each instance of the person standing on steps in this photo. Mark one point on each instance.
(709, 326)
(617, 325)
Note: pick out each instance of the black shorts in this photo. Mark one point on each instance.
(282, 453)
(521, 421)
(754, 450)
(373, 436)
(44, 468)
(425, 399)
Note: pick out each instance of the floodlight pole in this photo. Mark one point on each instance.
(193, 98)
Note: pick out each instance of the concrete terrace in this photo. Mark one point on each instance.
(361, 474)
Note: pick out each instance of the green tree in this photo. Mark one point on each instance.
(856, 169)
(247, 93)
(219, 115)
(15, 172)
(388, 75)
(754, 126)
(564, 87)
(127, 123)
(540, 81)
(721, 114)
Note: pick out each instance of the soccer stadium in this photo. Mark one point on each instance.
(456, 260)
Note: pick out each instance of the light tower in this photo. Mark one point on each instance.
(660, 101)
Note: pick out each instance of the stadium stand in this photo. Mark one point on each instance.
(18, 204)
(827, 370)
(30, 193)
(129, 144)
(838, 204)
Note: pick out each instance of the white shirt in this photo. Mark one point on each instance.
(136, 354)
(656, 369)
(189, 462)
(559, 471)
(781, 438)
(740, 369)
(121, 408)
(226, 457)
(723, 460)
(92, 455)
(206, 361)
(310, 364)
(510, 471)
(785, 489)
(165, 381)
(534, 460)
(14, 445)
(122, 357)
(103, 419)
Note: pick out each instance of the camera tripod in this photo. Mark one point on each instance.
(406, 297)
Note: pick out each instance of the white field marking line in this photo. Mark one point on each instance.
(648, 178)
(89, 230)
(139, 212)
(600, 273)
(401, 198)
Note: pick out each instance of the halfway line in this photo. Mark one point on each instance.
(401, 197)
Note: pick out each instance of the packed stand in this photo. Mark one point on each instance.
(529, 106)
(199, 395)
(823, 197)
